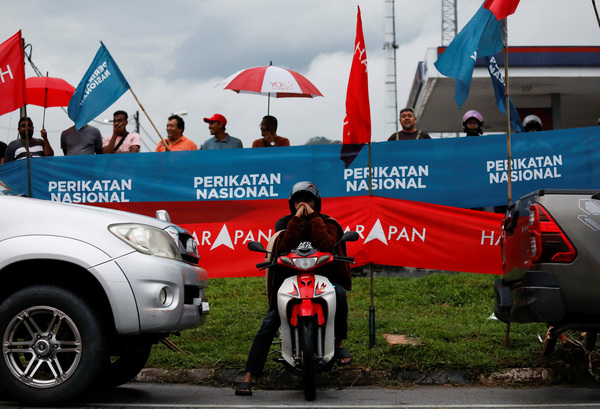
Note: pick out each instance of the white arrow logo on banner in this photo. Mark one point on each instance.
(376, 233)
(223, 239)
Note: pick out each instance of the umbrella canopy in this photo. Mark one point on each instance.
(48, 92)
(272, 81)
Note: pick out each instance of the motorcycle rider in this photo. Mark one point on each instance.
(304, 223)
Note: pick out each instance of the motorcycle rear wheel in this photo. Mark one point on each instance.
(308, 344)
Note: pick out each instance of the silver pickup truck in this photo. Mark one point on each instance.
(85, 294)
(551, 261)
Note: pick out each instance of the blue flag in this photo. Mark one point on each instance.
(500, 92)
(482, 36)
(100, 87)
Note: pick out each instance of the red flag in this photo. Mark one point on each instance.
(12, 74)
(357, 124)
(501, 8)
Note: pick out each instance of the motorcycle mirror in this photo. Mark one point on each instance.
(350, 236)
(256, 246)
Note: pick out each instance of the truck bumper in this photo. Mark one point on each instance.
(168, 294)
(537, 298)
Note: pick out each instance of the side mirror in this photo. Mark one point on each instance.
(256, 246)
(163, 215)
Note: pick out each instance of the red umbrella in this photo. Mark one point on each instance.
(48, 92)
(271, 81)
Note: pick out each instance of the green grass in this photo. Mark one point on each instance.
(448, 314)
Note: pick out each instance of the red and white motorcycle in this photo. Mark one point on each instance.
(307, 305)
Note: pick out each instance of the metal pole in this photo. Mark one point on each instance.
(372, 327)
(508, 146)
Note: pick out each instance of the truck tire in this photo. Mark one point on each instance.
(308, 343)
(53, 345)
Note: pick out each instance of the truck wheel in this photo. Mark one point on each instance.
(308, 342)
(53, 346)
(124, 368)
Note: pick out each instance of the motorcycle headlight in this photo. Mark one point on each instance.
(146, 239)
(305, 263)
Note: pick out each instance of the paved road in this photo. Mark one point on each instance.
(146, 395)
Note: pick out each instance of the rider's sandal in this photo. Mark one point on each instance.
(243, 389)
(342, 353)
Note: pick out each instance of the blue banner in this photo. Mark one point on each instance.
(100, 87)
(459, 172)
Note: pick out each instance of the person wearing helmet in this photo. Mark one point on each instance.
(473, 123)
(532, 123)
(304, 223)
(408, 121)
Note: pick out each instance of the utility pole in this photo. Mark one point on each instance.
(449, 23)
(391, 89)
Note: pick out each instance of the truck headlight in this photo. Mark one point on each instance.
(146, 239)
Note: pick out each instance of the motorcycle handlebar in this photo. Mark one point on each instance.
(344, 259)
(265, 264)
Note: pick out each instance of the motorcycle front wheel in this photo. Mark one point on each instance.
(308, 344)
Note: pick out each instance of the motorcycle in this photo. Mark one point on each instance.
(306, 304)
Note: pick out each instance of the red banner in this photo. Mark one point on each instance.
(392, 232)
(12, 74)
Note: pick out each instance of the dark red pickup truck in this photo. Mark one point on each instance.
(551, 261)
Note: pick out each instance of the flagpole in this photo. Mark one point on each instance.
(372, 327)
(24, 115)
(508, 144)
(152, 123)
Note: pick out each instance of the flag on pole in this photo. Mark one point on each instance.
(481, 37)
(12, 74)
(500, 92)
(100, 87)
(501, 8)
(357, 124)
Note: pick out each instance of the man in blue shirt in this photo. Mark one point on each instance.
(220, 139)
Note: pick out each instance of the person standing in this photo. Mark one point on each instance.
(85, 141)
(532, 123)
(176, 141)
(472, 123)
(408, 121)
(220, 139)
(268, 130)
(121, 141)
(37, 147)
(2, 151)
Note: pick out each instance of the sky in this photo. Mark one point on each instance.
(174, 55)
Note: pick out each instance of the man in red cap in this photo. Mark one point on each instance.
(220, 139)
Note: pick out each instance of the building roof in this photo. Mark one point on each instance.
(559, 84)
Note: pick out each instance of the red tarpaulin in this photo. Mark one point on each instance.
(392, 232)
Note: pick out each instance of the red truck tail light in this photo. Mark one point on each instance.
(549, 244)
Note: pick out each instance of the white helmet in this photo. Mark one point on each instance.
(532, 123)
